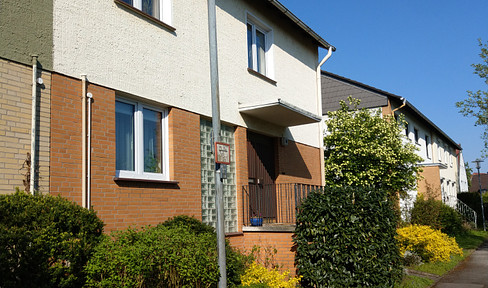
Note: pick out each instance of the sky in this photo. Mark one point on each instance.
(418, 49)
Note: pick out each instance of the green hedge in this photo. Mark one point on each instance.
(345, 237)
(45, 241)
(472, 199)
(178, 253)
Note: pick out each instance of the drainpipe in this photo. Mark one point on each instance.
(33, 125)
(319, 110)
(88, 169)
(83, 141)
(404, 102)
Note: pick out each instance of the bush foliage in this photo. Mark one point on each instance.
(45, 241)
(437, 215)
(432, 245)
(180, 252)
(345, 237)
(273, 278)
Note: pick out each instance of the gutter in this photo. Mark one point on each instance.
(83, 142)
(33, 154)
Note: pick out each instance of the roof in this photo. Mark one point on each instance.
(301, 24)
(475, 186)
(343, 87)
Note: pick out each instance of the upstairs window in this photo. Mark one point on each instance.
(416, 135)
(427, 146)
(259, 40)
(140, 141)
(159, 9)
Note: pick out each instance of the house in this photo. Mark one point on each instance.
(476, 179)
(121, 120)
(440, 176)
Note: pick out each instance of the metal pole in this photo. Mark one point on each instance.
(214, 87)
(481, 195)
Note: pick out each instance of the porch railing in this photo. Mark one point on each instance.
(468, 213)
(274, 203)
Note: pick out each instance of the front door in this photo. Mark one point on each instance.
(261, 170)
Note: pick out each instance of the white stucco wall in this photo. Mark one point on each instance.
(126, 52)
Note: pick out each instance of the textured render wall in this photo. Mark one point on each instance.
(26, 27)
(126, 52)
(123, 203)
(15, 125)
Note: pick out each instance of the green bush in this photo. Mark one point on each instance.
(237, 262)
(45, 241)
(154, 257)
(437, 215)
(345, 237)
(472, 199)
(180, 252)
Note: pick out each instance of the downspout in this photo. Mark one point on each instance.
(319, 110)
(404, 102)
(88, 169)
(33, 155)
(83, 141)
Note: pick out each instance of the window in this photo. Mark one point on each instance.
(416, 134)
(406, 130)
(159, 9)
(259, 39)
(140, 141)
(427, 146)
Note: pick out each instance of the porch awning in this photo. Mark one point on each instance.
(279, 113)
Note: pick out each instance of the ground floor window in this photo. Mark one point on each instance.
(209, 209)
(140, 141)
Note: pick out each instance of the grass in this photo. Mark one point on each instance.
(414, 282)
(468, 242)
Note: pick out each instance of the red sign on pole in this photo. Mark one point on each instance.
(222, 153)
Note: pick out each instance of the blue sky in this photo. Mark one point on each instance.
(419, 49)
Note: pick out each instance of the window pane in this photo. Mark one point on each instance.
(124, 136)
(261, 49)
(130, 2)
(152, 141)
(151, 7)
(249, 45)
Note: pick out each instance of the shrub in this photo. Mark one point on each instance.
(236, 261)
(258, 274)
(431, 245)
(437, 215)
(154, 257)
(45, 241)
(345, 237)
(472, 199)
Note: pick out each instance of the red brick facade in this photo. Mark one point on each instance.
(121, 203)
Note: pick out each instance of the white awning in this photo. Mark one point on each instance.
(279, 113)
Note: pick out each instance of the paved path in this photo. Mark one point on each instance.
(472, 273)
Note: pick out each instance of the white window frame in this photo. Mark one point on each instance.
(165, 10)
(138, 173)
(260, 26)
(427, 146)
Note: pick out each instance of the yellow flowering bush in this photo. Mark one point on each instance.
(432, 245)
(258, 274)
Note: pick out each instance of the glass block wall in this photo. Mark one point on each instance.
(209, 209)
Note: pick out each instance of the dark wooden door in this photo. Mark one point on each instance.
(261, 169)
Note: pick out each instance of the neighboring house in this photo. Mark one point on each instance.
(463, 177)
(440, 175)
(475, 182)
(123, 119)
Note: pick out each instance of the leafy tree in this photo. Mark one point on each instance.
(477, 102)
(469, 173)
(364, 149)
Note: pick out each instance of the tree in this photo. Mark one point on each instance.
(476, 104)
(364, 149)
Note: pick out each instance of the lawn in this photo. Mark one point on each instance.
(468, 242)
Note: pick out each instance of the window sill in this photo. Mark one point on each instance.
(259, 75)
(131, 179)
(144, 15)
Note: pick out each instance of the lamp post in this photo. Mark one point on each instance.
(478, 161)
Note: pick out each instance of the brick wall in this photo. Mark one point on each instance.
(15, 125)
(282, 241)
(298, 163)
(430, 184)
(121, 203)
